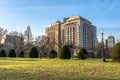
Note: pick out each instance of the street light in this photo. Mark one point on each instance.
(103, 52)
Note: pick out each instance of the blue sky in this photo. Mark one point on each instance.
(39, 14)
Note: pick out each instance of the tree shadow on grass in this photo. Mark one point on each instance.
(20, 59)
(112, 61)
(109, 61)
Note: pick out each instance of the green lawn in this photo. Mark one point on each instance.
(56, 69)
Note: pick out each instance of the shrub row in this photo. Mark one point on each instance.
(11, 53)
(64, 53)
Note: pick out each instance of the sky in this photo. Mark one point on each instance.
(16, 15)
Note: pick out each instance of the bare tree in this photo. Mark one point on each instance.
(40, 43)
(99, 48)
(2, 33)
(21, 41)
(13, 38)
(17, 40)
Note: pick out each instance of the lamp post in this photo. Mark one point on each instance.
(103, 52)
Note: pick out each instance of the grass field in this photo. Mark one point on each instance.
(56, 69)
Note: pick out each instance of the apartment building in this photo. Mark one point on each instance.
(79, 32)
(76, 31)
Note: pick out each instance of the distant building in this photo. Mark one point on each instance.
(106, 43)
(111, 41)
(76, 31)
(65, 19)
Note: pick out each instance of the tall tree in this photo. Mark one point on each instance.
(28, 35)
(28, 40)
(2, 33)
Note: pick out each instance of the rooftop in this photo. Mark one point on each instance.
(77, 18)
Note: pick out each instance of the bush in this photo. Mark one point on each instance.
(65, 52)
(33, 53)
(21, 54)
(82, 53)
(3, 53)
(53, 54)
(91, 55)
(44, 54)
(116, 52)
(12, 53)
